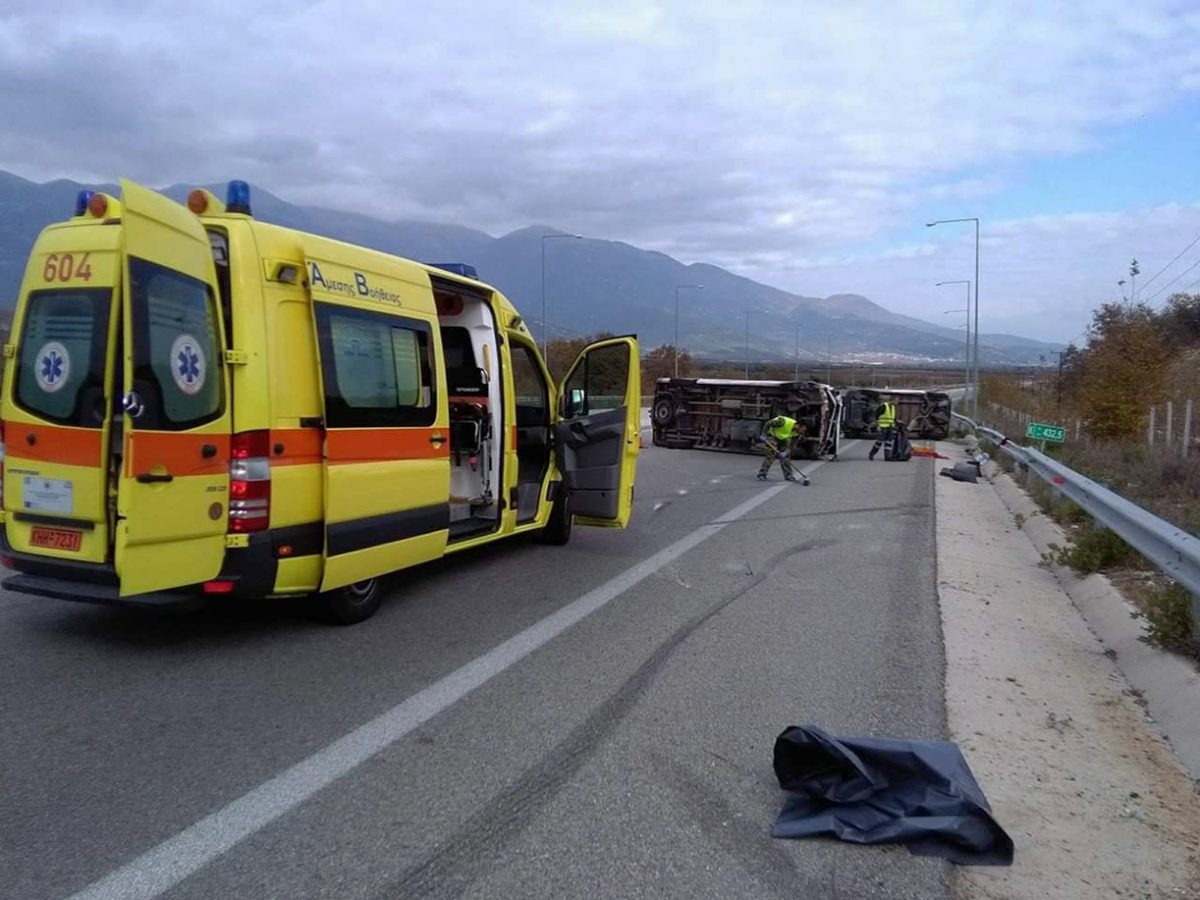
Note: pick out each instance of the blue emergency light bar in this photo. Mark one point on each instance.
(463, 269)
(82, 199)
(237, 198)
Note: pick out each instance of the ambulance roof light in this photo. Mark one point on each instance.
(82, 199)
(237, 198)
(464, 269)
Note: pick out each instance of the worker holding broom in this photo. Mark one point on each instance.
(779, 435)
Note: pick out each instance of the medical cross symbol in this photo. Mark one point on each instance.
(52, 366)
(189, 364)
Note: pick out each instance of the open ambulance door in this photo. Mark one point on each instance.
(387, 451)
(173, 487)
(597, 436)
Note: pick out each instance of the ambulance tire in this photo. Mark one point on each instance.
(351, 604)
(557, 530)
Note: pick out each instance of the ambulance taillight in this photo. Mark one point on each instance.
(250, 482)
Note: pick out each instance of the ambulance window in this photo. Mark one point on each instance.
(529, 386)
(598, 383)
(177, 361)
(60, 367)
(377, 369)
(219, 242)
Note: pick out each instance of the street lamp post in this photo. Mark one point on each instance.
(678, 288)
(796, 374)
(548, 237)
(975, 393)
(967, 349)
(748, 312)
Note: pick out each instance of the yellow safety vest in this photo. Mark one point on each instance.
(888, 417)
(781, 427)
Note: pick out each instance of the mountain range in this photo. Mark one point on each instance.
(591, 285)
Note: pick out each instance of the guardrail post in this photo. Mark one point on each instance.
(1150, 430)
(1170, 421)
(1078, 425)
(1187, 435)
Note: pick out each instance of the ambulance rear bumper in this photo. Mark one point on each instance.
(106, 594)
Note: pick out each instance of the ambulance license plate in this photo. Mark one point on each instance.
(55, 538)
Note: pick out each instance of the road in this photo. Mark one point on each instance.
(625, 755)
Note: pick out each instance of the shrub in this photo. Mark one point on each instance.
(1097, 548)
(1169, 619)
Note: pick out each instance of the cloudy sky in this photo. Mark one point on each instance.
(801, 144)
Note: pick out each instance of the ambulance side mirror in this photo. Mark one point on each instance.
(575, 403)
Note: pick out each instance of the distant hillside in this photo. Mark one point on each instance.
(591, 285)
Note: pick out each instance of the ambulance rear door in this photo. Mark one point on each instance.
(598, 435)
(386, 420)
(173, 498)
(56, 478)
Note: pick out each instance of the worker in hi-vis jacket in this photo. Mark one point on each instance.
(780, 434)
(887, 426)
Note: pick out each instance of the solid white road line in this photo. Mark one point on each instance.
(162, 867)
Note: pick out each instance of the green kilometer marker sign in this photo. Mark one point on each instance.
(1039, 432)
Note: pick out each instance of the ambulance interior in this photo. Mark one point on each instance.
(473, 386)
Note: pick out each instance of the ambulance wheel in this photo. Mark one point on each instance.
(353, 603)
(558, 527)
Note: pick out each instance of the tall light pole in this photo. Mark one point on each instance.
(548, 237)
(678, 288)
(748, 312)
(796, 374)
(967, 349)
(975, 393)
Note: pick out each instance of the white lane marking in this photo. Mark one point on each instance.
(165, 865)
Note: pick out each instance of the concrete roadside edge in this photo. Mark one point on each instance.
(1169, 684)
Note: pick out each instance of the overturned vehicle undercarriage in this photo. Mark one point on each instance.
(926, 413)
(718, 414)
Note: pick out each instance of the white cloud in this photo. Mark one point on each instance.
(1041, 276)
(743, 133)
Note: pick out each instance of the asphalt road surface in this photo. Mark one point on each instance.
(589, 721)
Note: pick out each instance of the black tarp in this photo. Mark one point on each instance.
(881, 791)
(898, 449)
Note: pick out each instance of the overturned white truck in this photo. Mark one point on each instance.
(926, 414)
(721, 414)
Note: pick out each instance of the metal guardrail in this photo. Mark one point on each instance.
(1168, 546)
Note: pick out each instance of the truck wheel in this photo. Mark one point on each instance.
(664, 411)
(351, 604)
(558, 528)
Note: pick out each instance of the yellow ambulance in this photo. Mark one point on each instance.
(198, 403)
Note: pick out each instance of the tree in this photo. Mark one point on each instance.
(1122, 371)
(1180, 321)
(660, 363)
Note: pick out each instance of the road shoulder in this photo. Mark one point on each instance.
(1096, 802)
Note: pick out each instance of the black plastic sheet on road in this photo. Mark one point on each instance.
(885, 791)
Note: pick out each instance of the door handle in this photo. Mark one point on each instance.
(208, 451)
(436, 439)
(151, 478)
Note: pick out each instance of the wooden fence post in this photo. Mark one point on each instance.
(1187, 429)
(1077, 427)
